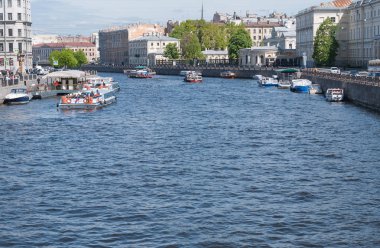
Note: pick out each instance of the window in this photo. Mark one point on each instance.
(18, 3)
(158, 44)
(19, 33)
(332, 19)
(19, 16)
(254, 37)
(1, 46)
(9, 3)
(20, 47)
(9, 16)
(10, 47)
(10, 32)
(1, 32)
(1, 3)
(1, 16)
(151, 44)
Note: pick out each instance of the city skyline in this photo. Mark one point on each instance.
(83, 17)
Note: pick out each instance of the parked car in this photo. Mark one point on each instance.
(335, 70)
(361, 74)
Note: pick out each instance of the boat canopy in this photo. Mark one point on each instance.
(288, 70)
(66, 74)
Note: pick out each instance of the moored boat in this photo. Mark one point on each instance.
(334, 94)
(268, 82)
(300, 85)
(283, 85)
(315, 89)
(18, 96)
(102, 83)
(257, 77)
(227, 74)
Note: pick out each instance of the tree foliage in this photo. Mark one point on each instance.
(191, 47)
(239, 38)
(325, 44)
(171, 51)
(65, 58)
(80, 56)
(210, 36)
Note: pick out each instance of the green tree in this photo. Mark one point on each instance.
(239, 39)
(81, 58)
(171, 51)
(65, 58)
(191, 47)
(325, 44)
(54, 56)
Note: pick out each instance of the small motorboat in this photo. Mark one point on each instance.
(282, 85)
(268, 82)
(227, 74)
(18, 96)
(334, 95)
(300, 85)
(315, 89)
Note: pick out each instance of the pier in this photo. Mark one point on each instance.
(9, 83)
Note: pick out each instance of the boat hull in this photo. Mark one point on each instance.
(96, 105)
(300, 89)
(17, 100)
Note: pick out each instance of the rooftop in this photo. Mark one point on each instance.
(65, 44)
(155, 38)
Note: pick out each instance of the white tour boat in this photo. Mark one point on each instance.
(334, 95)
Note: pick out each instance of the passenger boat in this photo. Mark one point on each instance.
(315, 89)
(268, 82)
(227, 74)
(334, 95)
(102, 83)
(193, 78)
(18, 96)
(86, 100)
(300, 85)
(140, 74)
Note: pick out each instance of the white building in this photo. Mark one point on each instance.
(15, 34)
(309, 20)
(282, 37)
(258, 56)
(141, 49)
(216, 56)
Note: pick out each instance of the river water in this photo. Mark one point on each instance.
(218, 164)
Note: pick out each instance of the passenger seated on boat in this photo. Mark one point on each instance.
(92, 93)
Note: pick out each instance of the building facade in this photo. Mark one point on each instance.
(258, 56)
(41, 52)
(308, 22)
(141, 48)
(259, 30)
(363, 32)
(114, 42)
(216, 56)
(15, 35)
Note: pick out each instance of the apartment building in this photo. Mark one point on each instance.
(308, 22)
(114, 42)
(15, 35)
(363, 32)
(260, 29)
(41, 52)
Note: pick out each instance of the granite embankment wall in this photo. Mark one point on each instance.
(361, 91)
(207, 71)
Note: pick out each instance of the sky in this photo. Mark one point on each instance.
(83, 17)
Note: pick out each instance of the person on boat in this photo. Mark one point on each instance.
(92, 93)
